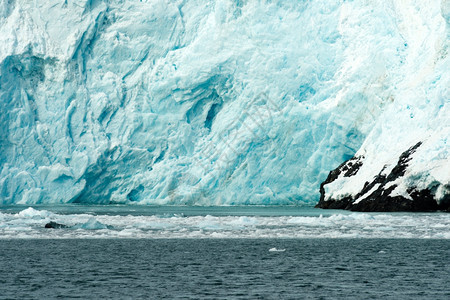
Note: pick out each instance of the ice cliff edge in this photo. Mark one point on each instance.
(403, 165)
(220, 102)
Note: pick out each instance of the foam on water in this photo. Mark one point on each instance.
(29, 223)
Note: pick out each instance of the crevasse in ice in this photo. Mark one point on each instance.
(217, 102)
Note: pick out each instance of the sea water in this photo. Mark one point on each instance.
(222, 253)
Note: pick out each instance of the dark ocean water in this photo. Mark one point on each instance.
(225, 269)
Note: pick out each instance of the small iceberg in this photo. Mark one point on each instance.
(31, 213)
(276, 250)
(92, 224)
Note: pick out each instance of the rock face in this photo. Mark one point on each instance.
(404, 162)
(377, 195)
(54, 225)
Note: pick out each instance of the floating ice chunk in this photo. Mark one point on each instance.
(245, 221)
(276, 250)
(34, 213)
(92, 224)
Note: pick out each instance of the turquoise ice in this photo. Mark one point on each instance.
(217, 102)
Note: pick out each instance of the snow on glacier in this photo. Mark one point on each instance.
(214, 102)
(420, 113)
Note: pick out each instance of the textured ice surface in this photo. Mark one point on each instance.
(216, 102)
(420, 112)
(30, 223)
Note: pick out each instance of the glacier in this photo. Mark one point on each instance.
(220, 102)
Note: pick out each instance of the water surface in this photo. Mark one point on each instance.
(225, 269)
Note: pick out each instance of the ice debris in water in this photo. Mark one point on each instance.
(418, 225)
(276, 250)
(92, 224)
(34, 213)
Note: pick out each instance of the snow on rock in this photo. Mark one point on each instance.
(219, 102)
(407, 151)
(391, 190)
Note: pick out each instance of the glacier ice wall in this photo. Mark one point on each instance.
(212, 102)
(416, 125)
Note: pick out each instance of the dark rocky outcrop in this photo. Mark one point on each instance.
(347, 168)
(55, 225)
(376, 196)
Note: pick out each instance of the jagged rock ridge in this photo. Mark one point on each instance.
(376, 195)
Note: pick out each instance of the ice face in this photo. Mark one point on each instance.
(212, 102)
(419, 114)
